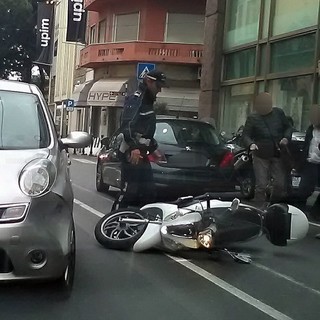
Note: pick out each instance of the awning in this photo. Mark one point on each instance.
(107, 92)
(80, 94)
(180, 99)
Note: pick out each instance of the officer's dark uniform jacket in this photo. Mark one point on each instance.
(138, 126)
(267, 130)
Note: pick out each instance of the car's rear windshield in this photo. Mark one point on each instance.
(181, 132)
(23, 123)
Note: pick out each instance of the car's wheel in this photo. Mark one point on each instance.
(65, 282)
(247, 186)
(100, 185)
(112, 233)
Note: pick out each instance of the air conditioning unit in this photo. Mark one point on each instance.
(199, 73)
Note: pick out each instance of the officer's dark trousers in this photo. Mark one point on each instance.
(139, 188)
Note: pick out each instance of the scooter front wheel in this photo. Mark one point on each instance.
(113, 233)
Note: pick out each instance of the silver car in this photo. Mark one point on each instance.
(37, 236)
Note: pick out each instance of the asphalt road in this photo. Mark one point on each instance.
(281, 283)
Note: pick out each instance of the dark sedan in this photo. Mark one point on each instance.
(193, 160)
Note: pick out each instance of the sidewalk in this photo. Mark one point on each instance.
(79, 152)
(83, 156)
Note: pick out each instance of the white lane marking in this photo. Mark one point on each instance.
(90, 191)
(288, 278)
(88, 208)
(273, 313)
(83, 160)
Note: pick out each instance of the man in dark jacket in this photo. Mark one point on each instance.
(138, 128)
(310, 169)
(266, 131)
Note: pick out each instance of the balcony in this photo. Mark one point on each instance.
(95, 55)
(95, 5)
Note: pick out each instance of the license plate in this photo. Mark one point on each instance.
(296, 181)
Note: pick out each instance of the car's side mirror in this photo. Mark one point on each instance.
(77, 139)
(105, 141)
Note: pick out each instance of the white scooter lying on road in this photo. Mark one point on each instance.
(199, 222)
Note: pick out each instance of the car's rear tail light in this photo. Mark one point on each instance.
(227, 160)
(104, 156)
(157, 157)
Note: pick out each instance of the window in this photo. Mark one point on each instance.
(102, 32)
(22, 122)
(293, 15)
(126, 27)
(293, 95)
(293, 54)
(240, 64)
(185, 28)
(237, 106)
(266, 18)
(55, 48)
(242, 19)
(92, 34)
(185, 133)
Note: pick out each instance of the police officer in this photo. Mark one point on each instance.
(138, 126)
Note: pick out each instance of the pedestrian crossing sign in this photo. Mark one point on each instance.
(143, 68)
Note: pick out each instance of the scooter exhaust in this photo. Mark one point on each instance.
(241, 161)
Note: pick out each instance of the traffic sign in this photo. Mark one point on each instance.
(69, 103)
(143, 68)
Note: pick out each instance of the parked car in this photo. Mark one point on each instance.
(37, 235)
(193, 160)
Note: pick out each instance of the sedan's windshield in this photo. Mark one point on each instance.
(186, 133)
(22, 122)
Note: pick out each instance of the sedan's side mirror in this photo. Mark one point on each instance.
(105, 142)
(77, 139)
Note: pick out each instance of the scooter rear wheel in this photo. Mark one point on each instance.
(112, 233)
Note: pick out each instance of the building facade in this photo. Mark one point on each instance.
(256, 46)
(126, 38)
(65, 63)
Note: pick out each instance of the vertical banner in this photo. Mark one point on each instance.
(45, 27)
(77, 21)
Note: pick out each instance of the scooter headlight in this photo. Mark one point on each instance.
(206, 239)
(37, 177)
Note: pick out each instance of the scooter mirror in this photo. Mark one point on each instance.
(235, 205)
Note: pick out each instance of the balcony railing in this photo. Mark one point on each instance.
(97, 54)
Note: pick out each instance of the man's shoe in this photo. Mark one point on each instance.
(317, 236)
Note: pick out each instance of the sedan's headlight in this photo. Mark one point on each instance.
(37, 177)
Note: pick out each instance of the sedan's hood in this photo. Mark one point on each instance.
(11, 164)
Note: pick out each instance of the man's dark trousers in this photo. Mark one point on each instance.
(263, 170)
